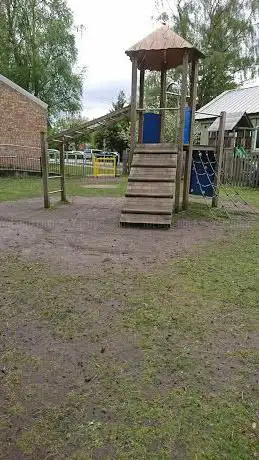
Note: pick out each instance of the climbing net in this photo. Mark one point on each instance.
(230, 198)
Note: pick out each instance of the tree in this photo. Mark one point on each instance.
(115, 136)
(121, 101)
(71, 121)
(226, 31)
(38, 51)
(66, 122)
(152, 89)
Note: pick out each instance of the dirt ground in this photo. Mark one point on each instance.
(99, 366)
(86, 235)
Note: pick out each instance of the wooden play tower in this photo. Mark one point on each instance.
(159, 182)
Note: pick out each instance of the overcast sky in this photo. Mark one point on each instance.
(111, 26)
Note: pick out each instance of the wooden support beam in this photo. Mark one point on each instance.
(163, 104)
(62, 172)
(219, 154)
(181, 133)
(133, 108)
(141, 106)
(188, 158)
(156, 109)
(44, 165)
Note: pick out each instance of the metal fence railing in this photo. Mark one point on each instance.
(73, 168)
(20, 165)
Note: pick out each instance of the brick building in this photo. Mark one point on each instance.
(22, 118)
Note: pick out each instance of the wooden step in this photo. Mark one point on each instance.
(155, 160)
(156, 148)
(147, 205)
(149, 196)
(146, 219)
(150, 189)
(151, 181)
(152, 165)
(146, 174)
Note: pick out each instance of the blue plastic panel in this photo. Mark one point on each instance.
(187, 124)
(152, 127)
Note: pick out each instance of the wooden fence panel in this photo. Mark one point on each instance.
(242, 172)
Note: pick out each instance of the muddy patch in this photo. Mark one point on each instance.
(86, 235)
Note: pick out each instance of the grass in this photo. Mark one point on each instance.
(164, 365)
(251, 195)
(17, 188)
(77, 188)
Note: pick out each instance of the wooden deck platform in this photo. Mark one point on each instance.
(149, 196)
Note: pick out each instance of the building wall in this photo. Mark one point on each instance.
(204, 135)
(21, 121)
(254, 119)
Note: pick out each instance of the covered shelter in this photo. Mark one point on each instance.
(156, 166)
(238, 130)
(238, 100)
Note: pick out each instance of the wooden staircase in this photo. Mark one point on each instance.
(149, 196)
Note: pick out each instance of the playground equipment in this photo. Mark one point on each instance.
(104, 167)
(155, 180)
(45, 175)
(101, 166)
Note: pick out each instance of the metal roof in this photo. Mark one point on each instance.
(236, 100)
(232, 119)
(23, 91)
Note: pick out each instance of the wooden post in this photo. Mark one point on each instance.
(141, 105)
(178, 177)
(62, 172)
(133, 108)
(163, 104)
(256, 181)
(219, 153)
(125, 158)
(188, 159)
(44, 164)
